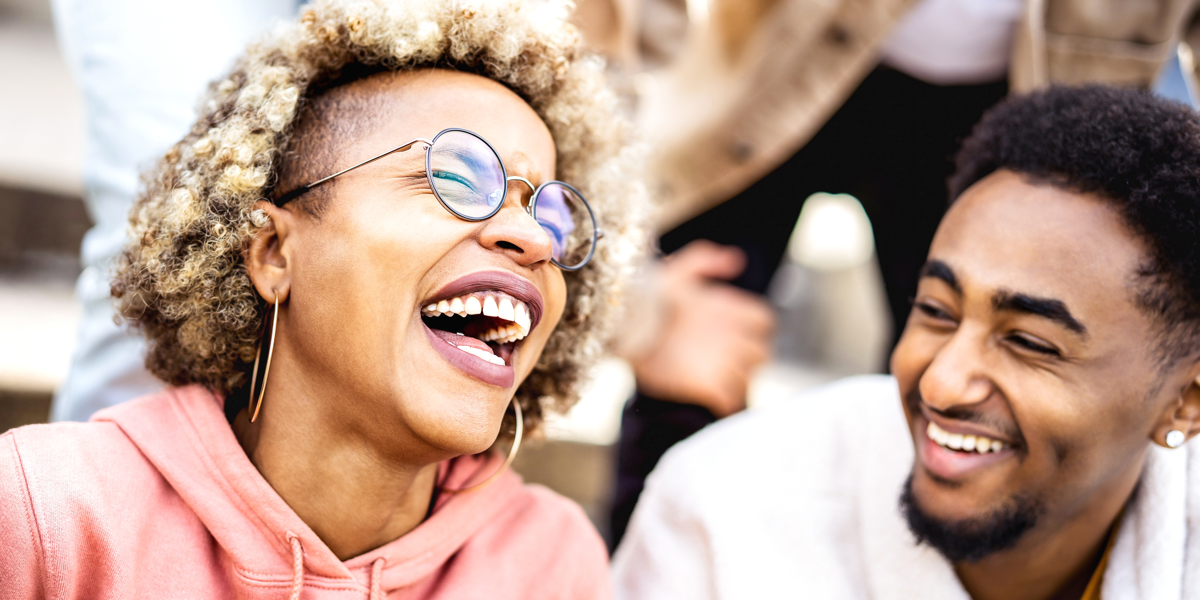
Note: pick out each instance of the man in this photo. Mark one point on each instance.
(754, 105)
(1031, 440)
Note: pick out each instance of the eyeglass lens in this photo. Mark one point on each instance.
(466, 174)
(564, 216)
(468, 177)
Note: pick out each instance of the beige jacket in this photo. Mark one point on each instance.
(753, 80)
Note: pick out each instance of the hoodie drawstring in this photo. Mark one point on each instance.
(376, 579)
(298, 571)
(297, 566)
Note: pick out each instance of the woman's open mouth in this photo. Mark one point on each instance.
(487, 325)
(478, 323)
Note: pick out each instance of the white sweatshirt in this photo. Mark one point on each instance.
(801, 500)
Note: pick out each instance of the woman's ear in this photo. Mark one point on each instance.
(268, 257)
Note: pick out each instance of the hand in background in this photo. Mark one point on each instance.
(712, 337)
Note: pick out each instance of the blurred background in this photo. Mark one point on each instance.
(42, 216)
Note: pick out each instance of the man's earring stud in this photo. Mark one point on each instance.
(1174, 438)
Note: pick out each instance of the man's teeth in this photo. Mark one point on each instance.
(489, 305)
(488, 356)
(963, 443)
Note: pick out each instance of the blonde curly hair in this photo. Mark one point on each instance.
(182, 280)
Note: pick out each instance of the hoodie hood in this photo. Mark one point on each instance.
(183, 433)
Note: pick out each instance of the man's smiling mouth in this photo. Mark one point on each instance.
(954, 450)
(487, 324)
(963, 443)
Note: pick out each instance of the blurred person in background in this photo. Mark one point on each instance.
(140, 66)
(357, 271)
(754, 105)
(1032, 441)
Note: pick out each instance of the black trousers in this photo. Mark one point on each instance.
(891, 145)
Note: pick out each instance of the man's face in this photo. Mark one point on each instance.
(1025, 334)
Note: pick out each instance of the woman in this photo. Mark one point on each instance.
(357, 266)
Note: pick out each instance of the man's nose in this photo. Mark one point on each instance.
(958, 375)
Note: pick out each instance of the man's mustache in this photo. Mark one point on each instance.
(968, 413)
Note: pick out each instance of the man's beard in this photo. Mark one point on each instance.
(969, 540)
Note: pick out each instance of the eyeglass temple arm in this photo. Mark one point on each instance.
(296, 193)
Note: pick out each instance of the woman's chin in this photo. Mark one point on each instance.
(467, 445)
(455, 433)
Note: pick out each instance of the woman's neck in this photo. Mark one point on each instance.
(354, 497)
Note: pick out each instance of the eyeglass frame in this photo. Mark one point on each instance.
(531, 208)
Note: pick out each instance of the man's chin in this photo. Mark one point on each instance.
(948, 500)
(972, 538)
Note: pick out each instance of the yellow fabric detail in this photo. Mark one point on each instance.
(1093, 587)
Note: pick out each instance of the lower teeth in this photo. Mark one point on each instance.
(488, 356)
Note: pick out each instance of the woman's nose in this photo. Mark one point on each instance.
(515, 232)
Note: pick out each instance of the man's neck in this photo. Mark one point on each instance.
(1055, 561)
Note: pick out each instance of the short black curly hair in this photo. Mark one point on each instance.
(1133, 149)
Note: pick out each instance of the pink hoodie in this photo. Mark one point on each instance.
(156, 499)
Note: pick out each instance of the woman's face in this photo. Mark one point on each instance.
(383, 248)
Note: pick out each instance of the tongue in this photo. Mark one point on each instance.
(461, 340)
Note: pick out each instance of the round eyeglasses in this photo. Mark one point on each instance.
(469, 179)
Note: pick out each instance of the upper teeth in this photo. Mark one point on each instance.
(489, 304)
(963, 443)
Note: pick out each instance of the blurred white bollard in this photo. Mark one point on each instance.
(830, 290)
(832, 234)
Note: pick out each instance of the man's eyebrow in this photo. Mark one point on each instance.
(1048, 308)
(940, 270)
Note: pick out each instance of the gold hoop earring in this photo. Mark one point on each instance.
(258, 355)
(512, 454)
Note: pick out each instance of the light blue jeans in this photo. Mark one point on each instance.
(141, 66)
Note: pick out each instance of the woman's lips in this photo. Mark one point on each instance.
(475, 360)
(446, 344)
(499, 281)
